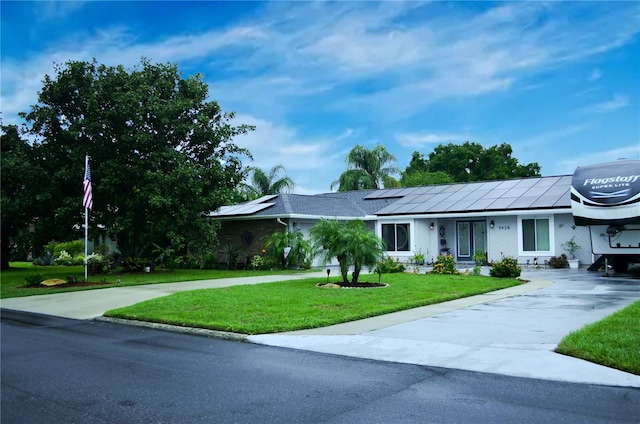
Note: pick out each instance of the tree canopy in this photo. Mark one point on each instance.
(464, 163)
(20, 179)
(160, 154)
(416, 174)
(367, 169)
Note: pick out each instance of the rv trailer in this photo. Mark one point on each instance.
(606, 198)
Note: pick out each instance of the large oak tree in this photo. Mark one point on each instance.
(21, 179)
(467, 162)
(161, 154)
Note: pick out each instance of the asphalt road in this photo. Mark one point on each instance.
(56, 370)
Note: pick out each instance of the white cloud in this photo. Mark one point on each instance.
(566, 165)
(56, 9)
(412, 52)
(617, 102)
(425, 139)
(309, 161)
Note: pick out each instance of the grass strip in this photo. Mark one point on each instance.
(12, 281)
(300, 304)
(613, 341)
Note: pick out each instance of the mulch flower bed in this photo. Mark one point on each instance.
(67, 285)
(358, 285)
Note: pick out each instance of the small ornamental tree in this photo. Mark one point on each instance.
(300, 253)
(352, 243)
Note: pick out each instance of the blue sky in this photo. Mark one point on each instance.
(558, 81)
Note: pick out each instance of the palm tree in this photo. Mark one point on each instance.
(367, 169)
(352, 243)
(263, 184)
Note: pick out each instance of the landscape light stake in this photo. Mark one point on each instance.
(328, 272)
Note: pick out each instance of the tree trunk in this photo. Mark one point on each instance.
(356, 273)
(6, 247)
(344, 269)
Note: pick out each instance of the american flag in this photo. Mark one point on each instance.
(87, 199)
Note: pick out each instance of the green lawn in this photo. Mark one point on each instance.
(299, 304)
(12, 281)
(613, 341)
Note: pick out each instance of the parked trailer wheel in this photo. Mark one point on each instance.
(620, 265)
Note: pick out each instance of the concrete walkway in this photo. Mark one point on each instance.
(512, 331)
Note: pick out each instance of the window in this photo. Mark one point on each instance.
(396, 237)
(535, 235)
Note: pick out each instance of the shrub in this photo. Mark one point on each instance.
(476, 270)
(45, 259)
(133, 264)
(445, 264)
(209, 261)
(506, 268)
(187, 262)
(63, 258)
(559, 261)
(96, 263)
(258, 262)
(389, 266)
(78, 259)
(33, 280)
(73, 248)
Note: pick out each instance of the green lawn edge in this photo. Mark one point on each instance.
(300, 304)
(613, 341)
(12, 281)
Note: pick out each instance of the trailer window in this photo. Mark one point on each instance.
(535, 235)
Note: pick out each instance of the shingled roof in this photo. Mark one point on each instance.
(491, 196)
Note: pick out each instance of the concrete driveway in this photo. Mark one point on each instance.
(513, 335)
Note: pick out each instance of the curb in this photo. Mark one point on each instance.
(176, 328)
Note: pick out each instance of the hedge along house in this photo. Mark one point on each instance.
(528, 219)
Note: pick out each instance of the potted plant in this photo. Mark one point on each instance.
(572, 247)
(418, 258)
(479, 257)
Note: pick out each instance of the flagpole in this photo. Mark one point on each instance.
(86, 227)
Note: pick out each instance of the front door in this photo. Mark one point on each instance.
(471, 236)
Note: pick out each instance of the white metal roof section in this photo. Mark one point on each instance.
(247, 208)
(520, 194)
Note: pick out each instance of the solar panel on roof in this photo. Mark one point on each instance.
(536, 190)
(513, 192)
(490, 185)
(447, 206)
(378, 194)
(496, 193)
(463, 204)
(508, 184)
(244, 209)
(523, 202)
(527, 183)
(554, 190)
(387, 210)
(480, 204)
(477, 194)
(500, 204)
(546, 182)
(262, 199)
(458, 195)
(405, 208)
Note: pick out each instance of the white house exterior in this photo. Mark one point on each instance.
(528, 219)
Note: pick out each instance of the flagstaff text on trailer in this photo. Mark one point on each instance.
(618, 179)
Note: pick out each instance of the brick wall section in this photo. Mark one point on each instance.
(231, 232)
